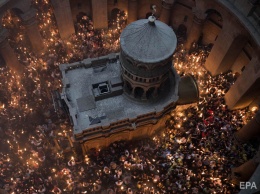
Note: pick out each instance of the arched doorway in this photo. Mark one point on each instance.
(138, 92)
(83, 20)
(212, 27)
(81, 17)
(117, 19)
(115, 13)
(79, 6)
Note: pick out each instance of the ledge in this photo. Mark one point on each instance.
(245, 21)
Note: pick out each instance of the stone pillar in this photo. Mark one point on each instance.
(132, 11)
(62, 12)
(8, 53)
(165, 14)
(155, 92)
(33, 33)
(244, 90)
(196, 28)
(144, 95)
(99, 14)
(133, 92)
(250, 130)
(244, 171)
(226, 49)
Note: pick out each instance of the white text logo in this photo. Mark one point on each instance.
(247, 185)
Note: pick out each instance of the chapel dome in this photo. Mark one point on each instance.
(148, 40)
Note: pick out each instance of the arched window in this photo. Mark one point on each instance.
(139, 92)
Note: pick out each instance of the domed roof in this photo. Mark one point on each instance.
(148, 40)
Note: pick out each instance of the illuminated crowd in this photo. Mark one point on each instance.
(193, 154)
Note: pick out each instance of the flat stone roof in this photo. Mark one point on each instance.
(88, 112)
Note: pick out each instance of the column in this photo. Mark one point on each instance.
(133, 92)
(144, 95)
(62, 12)
(8, 53)
(99, 14)
(250, 130)
(155, 92)
(32, 30)
(165, 14)
(246, 87)
(226, 49)
(132, 11)
(196, 28)
(244, 171)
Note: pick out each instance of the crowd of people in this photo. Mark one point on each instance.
(193, 154)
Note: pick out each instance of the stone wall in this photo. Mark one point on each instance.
(139, 132)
